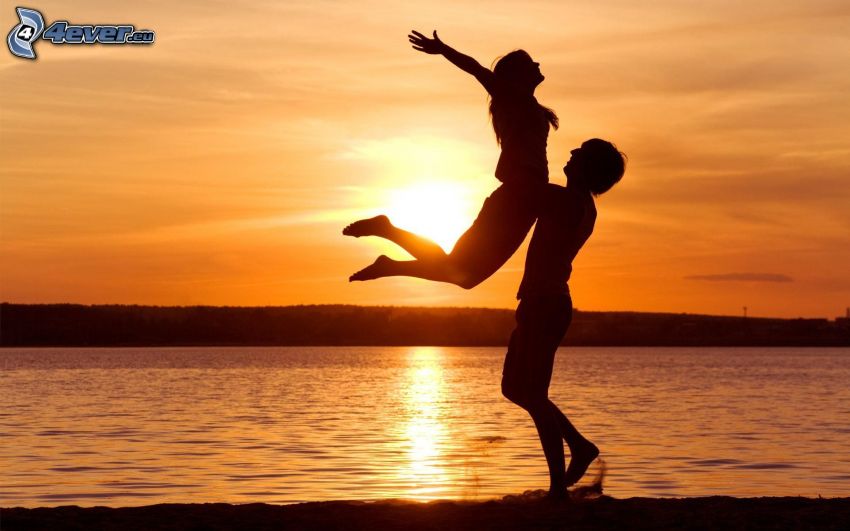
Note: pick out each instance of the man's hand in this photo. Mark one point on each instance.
(424, 44)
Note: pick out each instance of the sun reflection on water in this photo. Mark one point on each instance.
(426, 430)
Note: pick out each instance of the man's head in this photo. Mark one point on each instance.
(597, 164)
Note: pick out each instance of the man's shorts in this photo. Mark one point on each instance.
(542, 322)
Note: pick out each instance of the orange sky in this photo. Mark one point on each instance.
(219, 165)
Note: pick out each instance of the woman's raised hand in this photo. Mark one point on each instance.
(424, 44)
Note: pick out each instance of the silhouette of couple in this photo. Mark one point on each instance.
(565, 219)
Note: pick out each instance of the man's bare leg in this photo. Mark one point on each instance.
(582, 451)
(553, 447)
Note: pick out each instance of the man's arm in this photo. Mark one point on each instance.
(464, 62)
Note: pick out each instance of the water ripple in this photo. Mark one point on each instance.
(283, 425)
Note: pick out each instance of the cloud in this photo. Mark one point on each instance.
(742, 277)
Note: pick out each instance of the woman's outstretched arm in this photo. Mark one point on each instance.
(466, 63)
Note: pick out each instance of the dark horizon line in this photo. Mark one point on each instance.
(126, 325)
(348, 305)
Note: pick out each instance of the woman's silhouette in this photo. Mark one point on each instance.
(522, 126)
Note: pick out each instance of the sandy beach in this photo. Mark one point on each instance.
(512, 512)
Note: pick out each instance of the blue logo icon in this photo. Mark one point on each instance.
(23, 36)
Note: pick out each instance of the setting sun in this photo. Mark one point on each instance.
(428, 185)
(441, 211)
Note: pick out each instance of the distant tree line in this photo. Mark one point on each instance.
(130, 325)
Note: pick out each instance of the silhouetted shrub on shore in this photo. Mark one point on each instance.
(131, 325)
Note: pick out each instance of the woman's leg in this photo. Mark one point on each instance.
(439, 270)
(498, 231)
(419, 247)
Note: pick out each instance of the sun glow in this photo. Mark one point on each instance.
(426, 431)
(428, 185)
(440, 211)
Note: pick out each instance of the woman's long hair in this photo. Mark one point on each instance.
(510, 70)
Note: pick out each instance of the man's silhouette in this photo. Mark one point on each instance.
(565, 221)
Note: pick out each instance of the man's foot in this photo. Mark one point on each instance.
(580, 459)
(558, 495)
(594, 489)
(378, 269)
(377, 226)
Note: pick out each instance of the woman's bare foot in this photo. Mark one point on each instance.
(378, 269)
(580, 459)
(377, 226)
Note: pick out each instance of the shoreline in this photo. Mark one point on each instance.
(105, 325)
(510, 512)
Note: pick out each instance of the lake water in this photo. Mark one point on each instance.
(137, 426)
